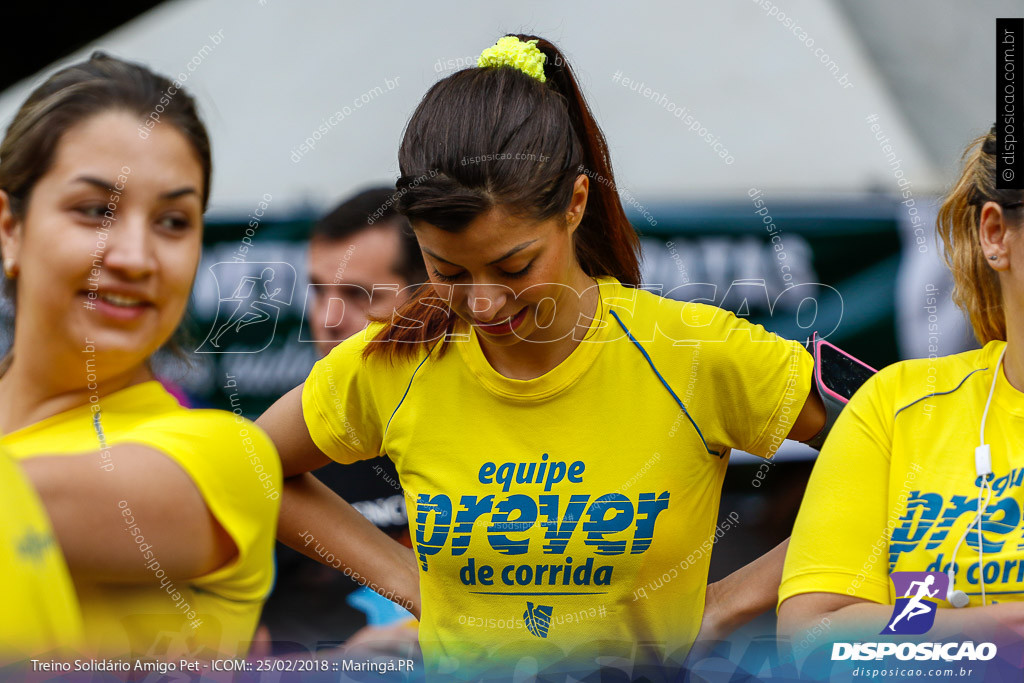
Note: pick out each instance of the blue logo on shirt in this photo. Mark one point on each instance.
(34, 545)
(918, 595)
(538, 619)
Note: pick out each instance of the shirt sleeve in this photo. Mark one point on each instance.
(758, 380)
(840, 540)
(237, 471)
(338, 405)
(40, 607)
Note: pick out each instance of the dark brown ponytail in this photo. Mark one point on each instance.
(607, 244)
(546, 137)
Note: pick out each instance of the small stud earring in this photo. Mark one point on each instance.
(9, 267)
(993, 257)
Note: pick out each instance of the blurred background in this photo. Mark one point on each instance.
(782, 159)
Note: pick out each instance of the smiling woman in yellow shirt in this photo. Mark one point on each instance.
(166, 516)
(928, 447)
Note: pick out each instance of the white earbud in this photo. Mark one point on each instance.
(957, 598)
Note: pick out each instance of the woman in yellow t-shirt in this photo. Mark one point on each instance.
(925, 449)
(41, 611)
(561, 435)
(166, 516)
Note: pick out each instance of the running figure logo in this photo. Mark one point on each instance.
(255, 303)
(918, 595)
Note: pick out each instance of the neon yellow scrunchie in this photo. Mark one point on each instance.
(510, 51)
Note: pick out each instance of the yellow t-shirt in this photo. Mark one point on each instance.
(40, 610)
(235, 467)
(539, 509)
(895, 485)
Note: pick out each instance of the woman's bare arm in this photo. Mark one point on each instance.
(811, 418)
(98, 515)
(319, 523)
(849, 615)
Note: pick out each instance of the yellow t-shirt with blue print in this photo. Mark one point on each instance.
(895, 486)
(236, 469)
(41, 613)
(538, 507)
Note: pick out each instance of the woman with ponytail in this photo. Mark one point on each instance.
(561, 434)
(928, 455)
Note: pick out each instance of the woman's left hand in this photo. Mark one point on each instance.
(743, 595)
(712, 626)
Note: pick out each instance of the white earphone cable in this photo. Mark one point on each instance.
(986, 485)
(981, 553)
(991, 390)
(983, 467)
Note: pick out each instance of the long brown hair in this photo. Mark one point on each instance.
(546, 137)
(976, 287)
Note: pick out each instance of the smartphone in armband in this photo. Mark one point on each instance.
(837, 376)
